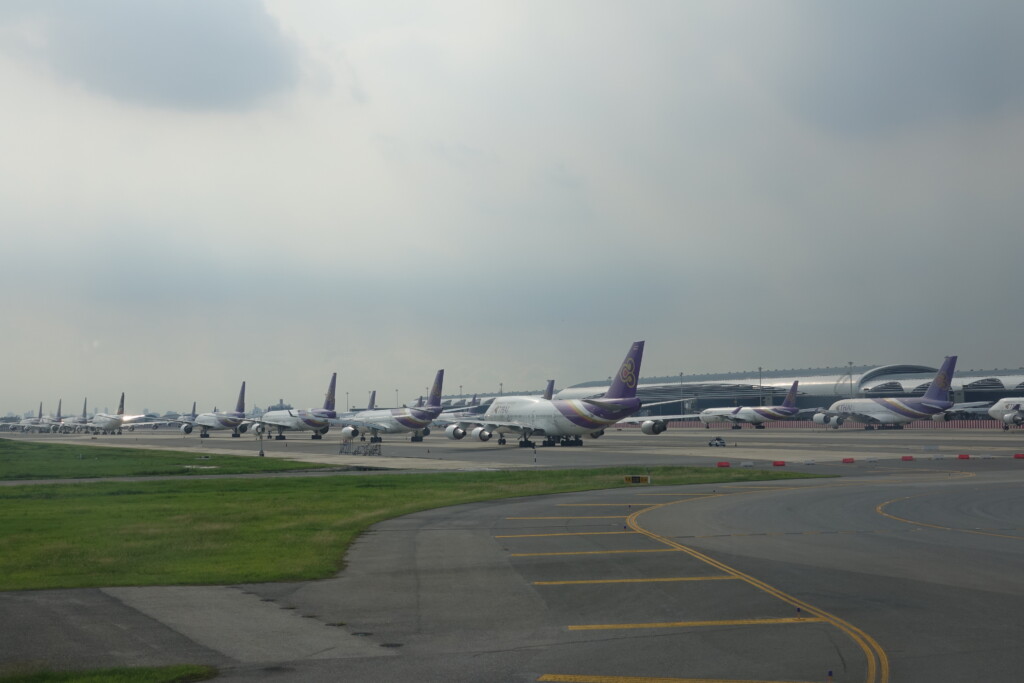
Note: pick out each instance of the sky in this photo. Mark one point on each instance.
(197, 193)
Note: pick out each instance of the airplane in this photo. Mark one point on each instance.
(756, 416)
(234, 420)
(894, 412)
(396, 420)
(317, 420)
(75, 424)
(1009, 411)
(561, 421)
(32, 424)
(111, 424)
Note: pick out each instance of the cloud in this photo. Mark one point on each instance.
(177, 54)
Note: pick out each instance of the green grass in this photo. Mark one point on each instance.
(21, 460)
(227, 531)
(182, 673)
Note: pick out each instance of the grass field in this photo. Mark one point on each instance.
(184, 673)
(225, 531)
(21, 460)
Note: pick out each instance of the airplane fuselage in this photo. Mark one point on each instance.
(569, 417)
(1009, 411)
(747, 414)
(888, 410)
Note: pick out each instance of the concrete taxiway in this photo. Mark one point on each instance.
(902, 570)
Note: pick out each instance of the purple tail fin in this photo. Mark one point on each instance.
(434, 399)
(85, 403)
(59, 401)
(475, 401)
(624, 383)
(40, 416)
(193, 410)
(120, 406)
(790, 401)
(240, 406)
(329, 399)
(373, 400)
(419, 402)
(938, 390)
(549, 391)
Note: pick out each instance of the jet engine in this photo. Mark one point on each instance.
(349, 432)
(597, 435)
(186, 428)
(481, 434)
(454, 432)
(1013, 418)
(944, 416)
(323, 430)
(243, 428)
(652, 427)
(259, 428)
(823, 419)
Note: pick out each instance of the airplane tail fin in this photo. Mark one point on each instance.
(193, 410)
(790, 401)
(59, 401)
(434, 399)
(549, 391)
(474, 401)
(419, 402)
(329, 399)
(40, 416)
(373, 400)
(624, 383)
(85, 404)
(240, 406)
(938, 390)
(120, 406)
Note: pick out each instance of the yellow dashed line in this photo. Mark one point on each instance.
(687, 624)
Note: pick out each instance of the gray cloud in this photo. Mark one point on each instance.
(187, 54)
(877, 66)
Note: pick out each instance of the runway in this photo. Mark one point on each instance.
(903, 570)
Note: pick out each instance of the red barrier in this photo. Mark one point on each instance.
(1018, 456)
(847, 460)
(907, 458)
(724, 463)
(779, 463)
(964, 456)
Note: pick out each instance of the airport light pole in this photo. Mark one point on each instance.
(850, 363)
(501, 388)
(760, 387)
(396, 398)
(346, 401)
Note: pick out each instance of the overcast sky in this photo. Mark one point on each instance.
(197, 193)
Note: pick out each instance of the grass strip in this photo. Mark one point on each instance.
(22, 460)
(227, 531)
(181, 673)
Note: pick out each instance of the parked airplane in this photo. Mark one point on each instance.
(234, 420)
(396, 420)
(32, 424)
(559, 420)
(76, 424)
(112, 424)
(316, 420)
(1009, 411)
(895, 411)
(756, 416)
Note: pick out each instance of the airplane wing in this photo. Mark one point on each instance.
(639, 419)
(971, 408)
(361, 424)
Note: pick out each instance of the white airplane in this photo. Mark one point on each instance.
(76, 424)
(105, 423)
(561, 421)
(234, 420)
(895, 412)
(396, 420)
(756, 416)
(1009, 411)
(316, 420)
(32, 424)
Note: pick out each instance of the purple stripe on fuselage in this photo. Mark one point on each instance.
(910, 408)
(776, 413)
(594, 415)
(414, 418)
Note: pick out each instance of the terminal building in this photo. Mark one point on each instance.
(819, 387)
